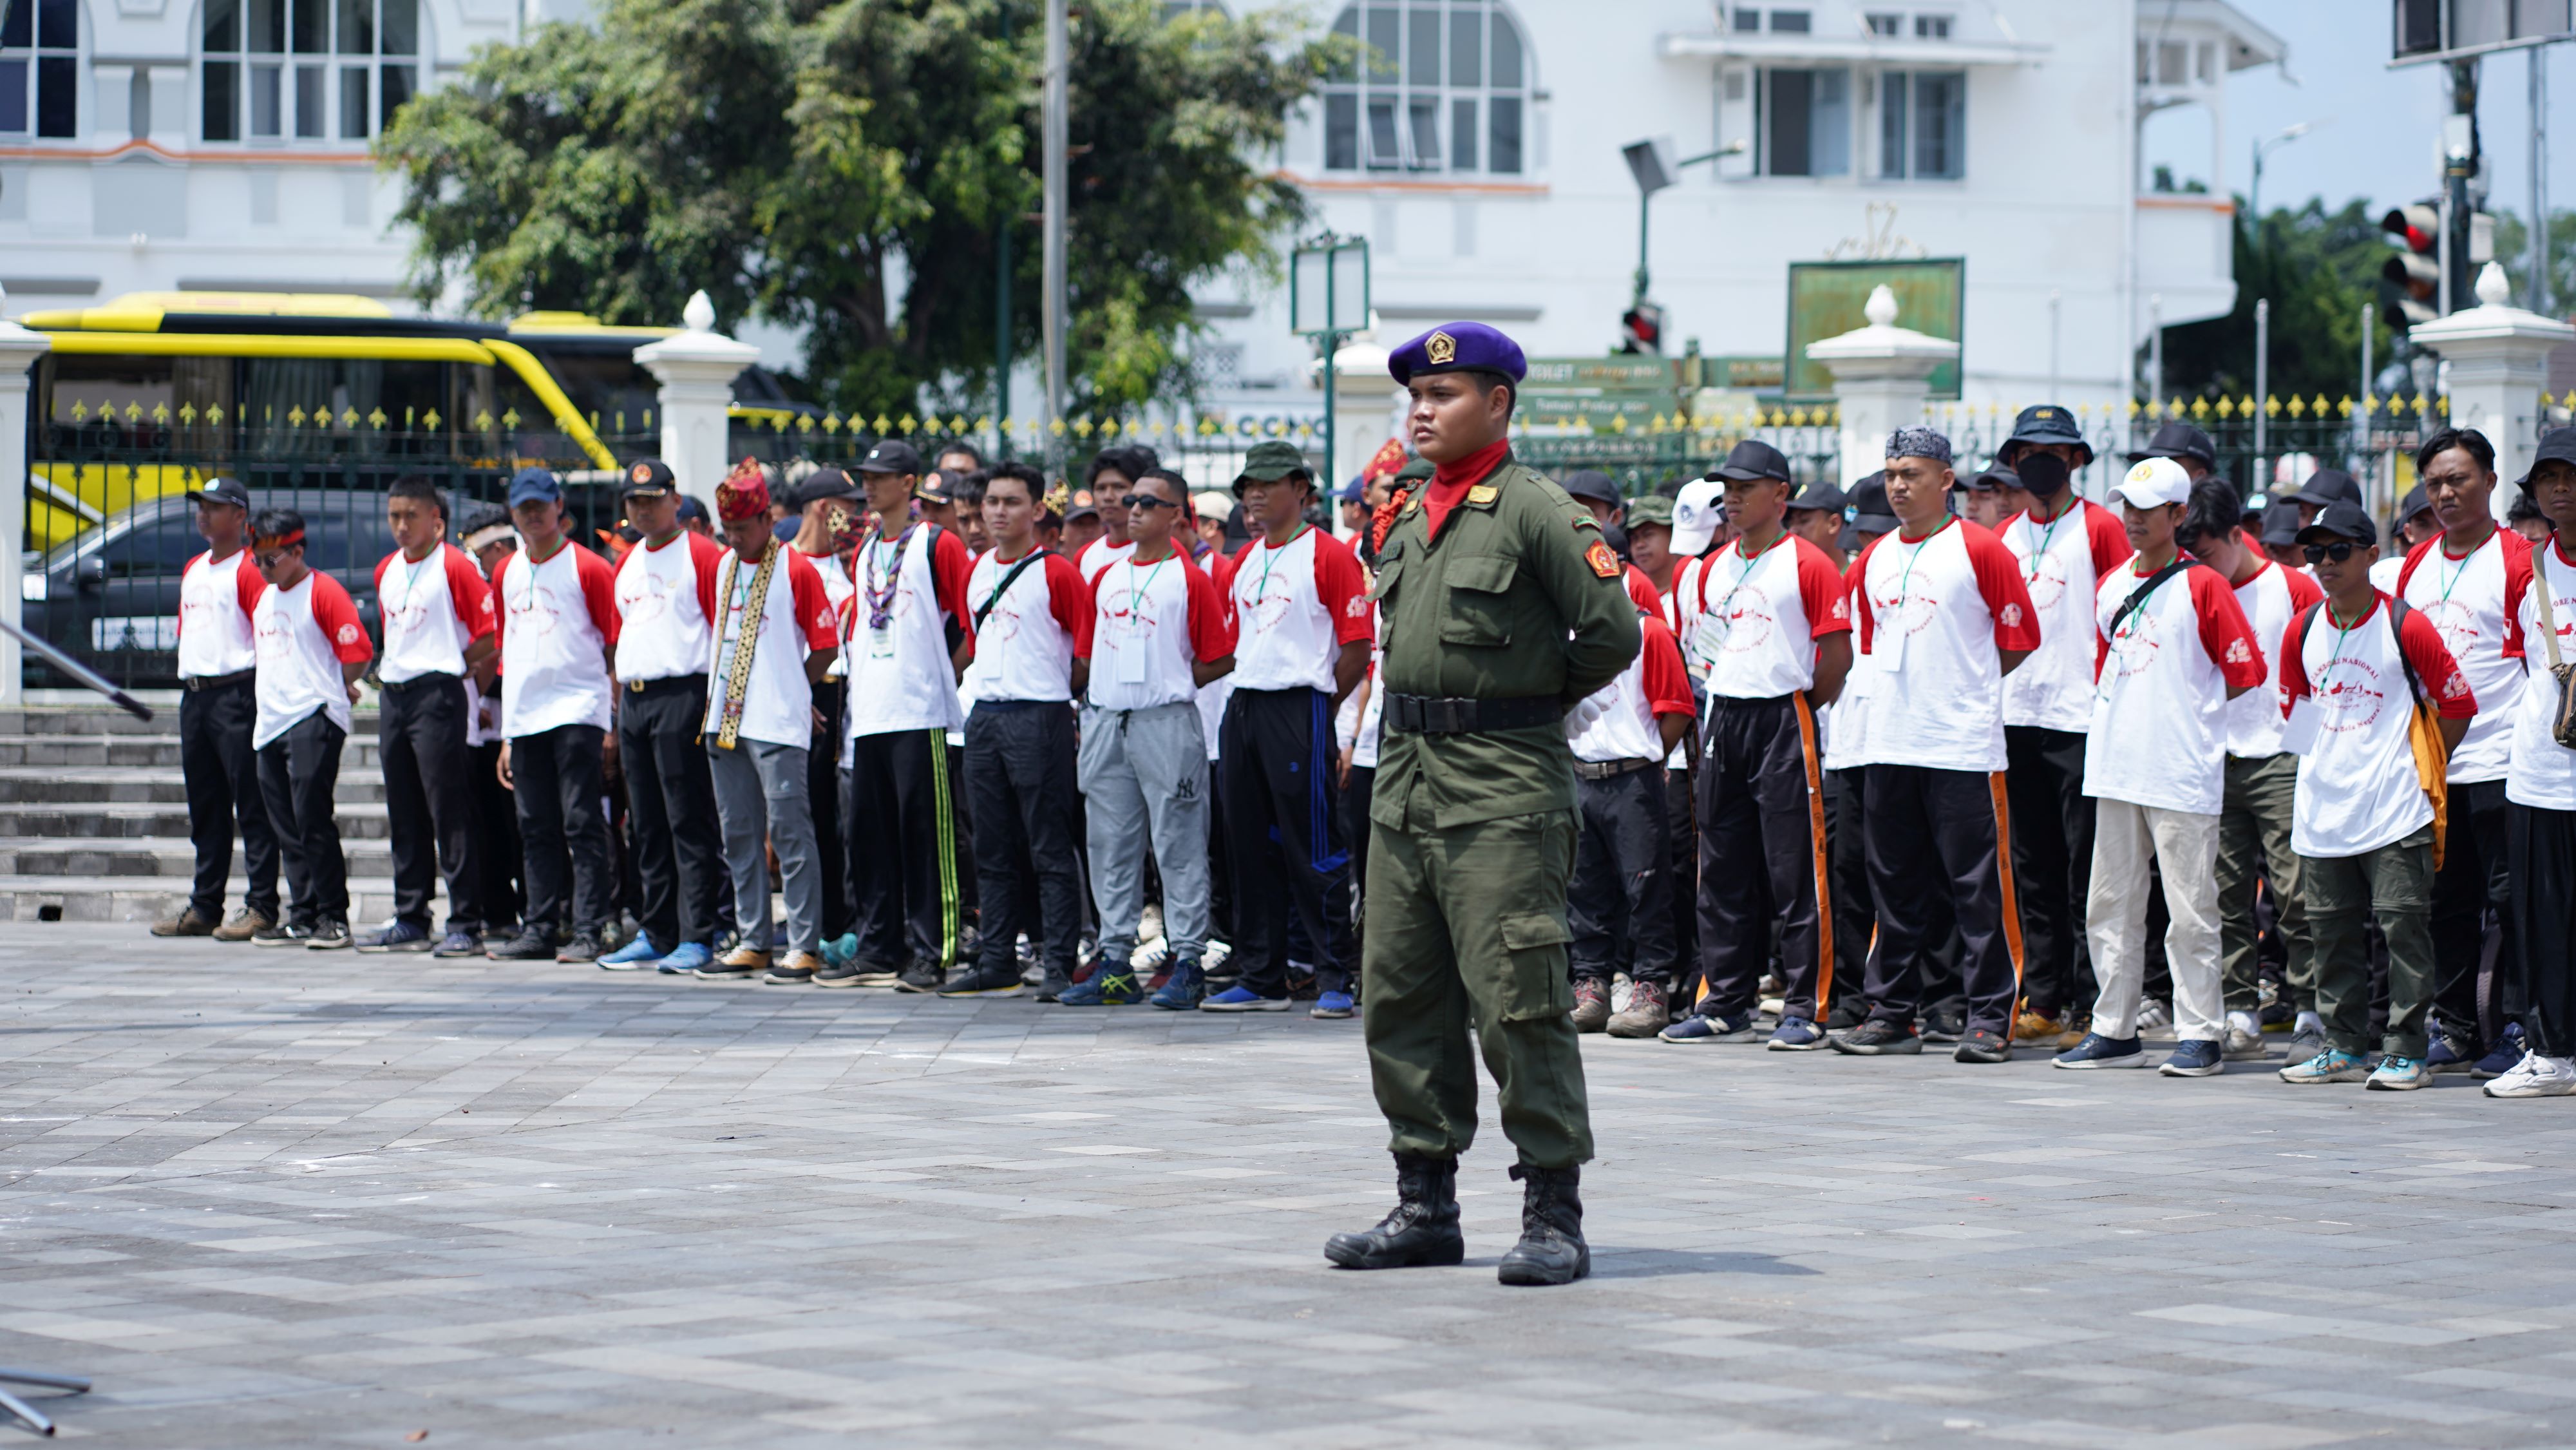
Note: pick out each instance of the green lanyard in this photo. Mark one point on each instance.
(1263, 590)
(2042, 551)
(1726, 606)
(1905, 584)
(1137, 590)
(2465, 562)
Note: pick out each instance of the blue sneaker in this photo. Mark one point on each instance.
(840, 949)
(1238, 999)
(1333, 1004)
(402, 936)
(2097, 1050)
(2331, 1065)
(1106, 987)
(1698, 1028)
(459, 943)
(685, 958)
(1797, 1034)
(2400, 1074)
(2199, 1057)
(1183, 990)
(2508, 1054)
(635, 956)
(2452, 1054)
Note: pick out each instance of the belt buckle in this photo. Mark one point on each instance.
(1451, 713)
(635, 687)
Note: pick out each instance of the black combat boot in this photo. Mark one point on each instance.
(1551, 1250)
(1423, 1229)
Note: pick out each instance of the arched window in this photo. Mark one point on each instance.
(1442, 86)
(306, 70)
(40, 67)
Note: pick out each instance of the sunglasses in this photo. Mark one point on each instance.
(1147, 501)
(2319, 553)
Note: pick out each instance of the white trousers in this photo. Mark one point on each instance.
(2185, 843)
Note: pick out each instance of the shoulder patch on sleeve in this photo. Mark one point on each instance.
(1585, 521)
(1603, 562)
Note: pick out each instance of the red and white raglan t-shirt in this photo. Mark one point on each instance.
(2270, 599)
(666, 596)
(1641, 588)
(1099, 554)
(1653, 684)
(2159, 729)
(305, 634)
(433, 610)
(1843, 733)
(1024, 649)
(2062, 562)
(557, 620)
(1295, 605)
(215, 603)
(2543, 773)
(796, 619)
(1147, 625)
(2357, 789)
(1935, 615)
(900, 670)
(2470, 600)
(1760, 618)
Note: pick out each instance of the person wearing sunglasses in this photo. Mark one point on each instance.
(2353, 671)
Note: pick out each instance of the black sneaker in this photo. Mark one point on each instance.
(1983, 1045)
(585, 946)
(984, 981)
(840, 974)
(1053, 985)
(793, 970)
(1875, 1038)
(459, 942)
(532, 944)
(402, 936)
(1945, 1026)
(283, 934)
(922, 976)
(330, 935)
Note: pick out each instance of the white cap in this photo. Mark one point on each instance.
(1696, 515)
(2154, 481)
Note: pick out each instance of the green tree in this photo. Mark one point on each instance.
(847, 166)
(2319, 268)
(2513, 248)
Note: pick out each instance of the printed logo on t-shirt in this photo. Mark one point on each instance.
(533, 611)
(2046, 579)
(1268, 608)
(2135, 647)
(1913, 613)
(2456, 621)
(644, 596)
(2238, 652)
(1747, 621)
(272, 630)
(1358, 608)
(2351, 696)
(2010, 618)
(349, 634)
(2456, 686)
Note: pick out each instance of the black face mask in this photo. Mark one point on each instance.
(2044, 474)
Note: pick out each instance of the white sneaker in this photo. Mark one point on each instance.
(1214, 955)
(2152, 1013)
(2536, 1077)
(1150, 955)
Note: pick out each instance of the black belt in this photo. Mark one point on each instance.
(218, 682)
(1612, 769)
(666, 684)
(417, 682)
(1450, 715)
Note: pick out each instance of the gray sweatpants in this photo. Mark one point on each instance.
(1145, 772)
(760, 794)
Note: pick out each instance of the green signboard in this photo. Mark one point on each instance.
(1826, 298)
(1562, 391)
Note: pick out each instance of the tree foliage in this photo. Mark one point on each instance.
(848, 166)
(2319, 268)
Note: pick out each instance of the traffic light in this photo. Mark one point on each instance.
(2415, 271)
(1641, 328)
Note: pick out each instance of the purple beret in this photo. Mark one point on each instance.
(1458, 347)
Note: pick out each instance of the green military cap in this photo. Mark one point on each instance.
(1654, 508)
(1417, 470)
(1271, 460)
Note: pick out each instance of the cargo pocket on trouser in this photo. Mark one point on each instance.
(1534, 985)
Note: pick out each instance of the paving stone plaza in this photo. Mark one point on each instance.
(291, 1198)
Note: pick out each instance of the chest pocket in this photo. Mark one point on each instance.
(1478, 614)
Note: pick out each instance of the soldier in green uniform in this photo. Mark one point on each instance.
(1503, 611)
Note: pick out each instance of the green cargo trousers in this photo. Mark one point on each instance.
(1468, 925)
(2394, 884)
(2254, 840)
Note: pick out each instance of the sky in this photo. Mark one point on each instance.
(2375, 129)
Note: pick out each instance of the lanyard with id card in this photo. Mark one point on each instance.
(1131, 659)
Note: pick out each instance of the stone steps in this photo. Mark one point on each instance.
(149, 898)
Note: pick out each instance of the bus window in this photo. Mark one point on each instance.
(111, 400)
(609, 387)
(332, 405)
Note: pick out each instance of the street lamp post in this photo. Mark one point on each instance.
(1649, 162)
(2263, 148)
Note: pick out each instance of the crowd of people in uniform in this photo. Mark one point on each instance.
(1950, 757)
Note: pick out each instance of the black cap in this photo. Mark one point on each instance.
(691, 510)
(1752, 459)
(2044, 423)
(648, 478)
(2413, 503)
(2558, 445)
(821, 484)
(891, 456)
(1820, 496)
(939, 486)
(1082, 503)
(1994, 479)
(2329, 485)
(2344, 518)
(1867, 510)
(2175, 438)
(2280, 523)
(1592, 484)
(223, 490)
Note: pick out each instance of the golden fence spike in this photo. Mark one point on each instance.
(295, 417)
(510, 420)
(187, 414)
(907, 424)
(161, 414)
(377, 419)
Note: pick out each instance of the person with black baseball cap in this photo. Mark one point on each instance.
(2363, 676)
(2184, 444)
(2278, 534)
(2325, 486)
(1815, 514)
(2064, 546)
(217, 706)
(834, 517)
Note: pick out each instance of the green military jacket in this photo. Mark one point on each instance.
(1518, 596)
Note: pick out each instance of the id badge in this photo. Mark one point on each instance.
(1131, 663)
(881, 642)
(2299, 735)
(1887, 647)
